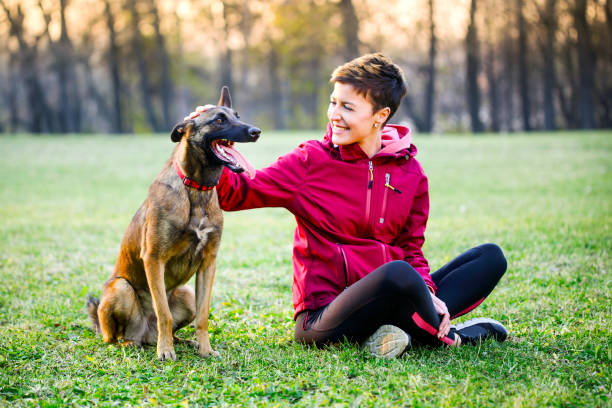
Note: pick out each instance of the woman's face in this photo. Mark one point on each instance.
(352, 118)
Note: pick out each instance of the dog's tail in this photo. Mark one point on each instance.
(92, 307)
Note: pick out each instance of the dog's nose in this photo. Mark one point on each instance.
(254, 133)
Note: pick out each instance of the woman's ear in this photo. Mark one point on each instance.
(180, 129)
(382, 115)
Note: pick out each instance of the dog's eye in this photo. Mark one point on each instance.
(237, 115)
(220, 120)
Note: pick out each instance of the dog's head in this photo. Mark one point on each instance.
(214, 132)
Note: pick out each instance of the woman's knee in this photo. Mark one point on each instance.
(401, 277)
(494, 257)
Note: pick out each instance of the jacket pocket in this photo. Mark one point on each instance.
(385, 253)
(357, 261)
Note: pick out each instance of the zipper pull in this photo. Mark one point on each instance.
(388, 185)
(371, 168)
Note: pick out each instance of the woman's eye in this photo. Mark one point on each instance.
(332, 103)
(348, 108)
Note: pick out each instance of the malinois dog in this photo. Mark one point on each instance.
(174, 235)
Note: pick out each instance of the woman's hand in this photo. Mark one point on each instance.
(442, 310)
(198, 110)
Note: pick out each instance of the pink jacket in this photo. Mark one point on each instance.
(353, 213)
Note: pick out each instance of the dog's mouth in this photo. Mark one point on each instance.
(224, 151)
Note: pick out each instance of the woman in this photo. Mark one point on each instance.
(361, 203)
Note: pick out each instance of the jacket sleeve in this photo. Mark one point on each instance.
(274, 186)
(412, 236)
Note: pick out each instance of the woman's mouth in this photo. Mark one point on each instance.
(338, 128)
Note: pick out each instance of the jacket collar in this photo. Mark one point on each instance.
(396, 142)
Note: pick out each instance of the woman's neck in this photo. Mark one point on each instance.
(371, 145)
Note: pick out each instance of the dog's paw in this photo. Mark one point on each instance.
(191, 343)
(210, 353)
(166, 354)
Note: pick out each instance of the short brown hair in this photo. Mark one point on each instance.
(375, 77)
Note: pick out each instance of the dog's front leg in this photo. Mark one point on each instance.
(154, 269)
(204, 283)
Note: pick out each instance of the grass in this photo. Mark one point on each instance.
(544, 198)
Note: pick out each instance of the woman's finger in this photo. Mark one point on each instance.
(444, 326)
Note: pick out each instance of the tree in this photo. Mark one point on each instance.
(491, 57)
(473, 66)
(430, 90)
(143, 73)
(117, 124)
(523, 72)
(69, 115)
(350, 29)
(163, 61)
(548, 17)
(586, 65)
(38, 106)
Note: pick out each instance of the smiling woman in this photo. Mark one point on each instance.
(361, 202)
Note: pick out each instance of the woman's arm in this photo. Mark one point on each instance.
(274, 186)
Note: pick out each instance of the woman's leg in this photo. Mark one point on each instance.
(393, 294)
(468, 279)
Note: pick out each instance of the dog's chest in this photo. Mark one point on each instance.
(199, 240)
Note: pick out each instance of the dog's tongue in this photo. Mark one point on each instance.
(248, 167)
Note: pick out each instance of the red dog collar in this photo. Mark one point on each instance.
(189, 182)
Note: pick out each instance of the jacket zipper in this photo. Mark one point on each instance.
(344, 264)
(388, 186)
(369, 193)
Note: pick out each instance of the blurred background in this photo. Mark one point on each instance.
(130, 66)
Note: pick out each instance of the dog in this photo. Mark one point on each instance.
(174, 235)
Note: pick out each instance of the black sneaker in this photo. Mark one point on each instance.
(477, 330)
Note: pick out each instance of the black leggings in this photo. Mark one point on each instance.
(396, 294)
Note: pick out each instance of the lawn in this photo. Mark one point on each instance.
(544, 198)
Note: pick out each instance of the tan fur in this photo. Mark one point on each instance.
(173, 235)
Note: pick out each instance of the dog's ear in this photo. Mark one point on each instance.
(225, 99)
(180, 129)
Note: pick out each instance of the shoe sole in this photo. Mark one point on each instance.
(387, 342)
(476, 321)
(492, 322)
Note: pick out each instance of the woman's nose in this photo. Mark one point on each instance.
(332, 113)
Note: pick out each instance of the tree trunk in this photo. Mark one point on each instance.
(586, 66)
(68, 79)
(550, 23)
(473, 93)
(608, 12)
(167, 87)
(113, 66)
(569, 104)
(12, 95)
(246, 27)
(36, 99)
(143, 74)
(430, 90)
(491, 71)
(350, 29)
(492, 87)
(523, 72)
(226, 68)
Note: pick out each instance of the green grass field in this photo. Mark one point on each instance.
(544, 198)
